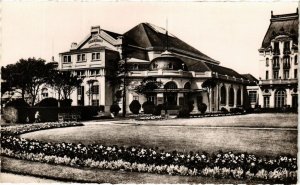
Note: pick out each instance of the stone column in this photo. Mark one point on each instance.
(235, 97)
(227, 96)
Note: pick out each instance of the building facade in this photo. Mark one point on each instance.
(150, 52)
(278, 81)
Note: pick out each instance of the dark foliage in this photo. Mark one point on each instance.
(202, 107)
(115, 109)
(157, 110)
(224, 110)
(47, 102)
(17, 103)
(148, 107)
(135, 106)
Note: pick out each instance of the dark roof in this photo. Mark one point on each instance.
(112, 34)
(250, 77)
(282, 24)
(85, 50)
(224, 70)
(150, 37)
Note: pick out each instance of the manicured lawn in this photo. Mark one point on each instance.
(172, 135)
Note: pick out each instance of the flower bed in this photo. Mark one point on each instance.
(221, 165)
(21, 129)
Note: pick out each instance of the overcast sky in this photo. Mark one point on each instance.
(228, 32)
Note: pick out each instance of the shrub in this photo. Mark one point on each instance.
(184, 112)
(224, 110)
(17, 103)
(191, 106)
(148, 107)
(115, 109)
(157, 109)
(135, 106)
(66, 103)
(202, 107)
(48, 102)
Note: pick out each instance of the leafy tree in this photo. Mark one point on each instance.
(64, 82)
(28, 75)
(209, 84)
(147, 85)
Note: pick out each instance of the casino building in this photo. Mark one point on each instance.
(278, 81)
(150, 52)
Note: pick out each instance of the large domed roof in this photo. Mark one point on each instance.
(167, 61)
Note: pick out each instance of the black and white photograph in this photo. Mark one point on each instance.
(149, 92)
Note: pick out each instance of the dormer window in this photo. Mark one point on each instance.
(276, 48)
(67, 58)
(154, 66)
(286, 48)
(135, 66)
(170, 66)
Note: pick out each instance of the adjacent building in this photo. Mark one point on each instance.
(278, 78)
(151, 52)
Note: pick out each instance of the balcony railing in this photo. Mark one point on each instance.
(276, 52)
(287, 66)
(276, 66)
(278, 81)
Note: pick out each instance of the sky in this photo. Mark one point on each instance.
(229, 32)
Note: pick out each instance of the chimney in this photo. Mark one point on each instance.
(52, 60)
(74, 45)
(272, 13)
(95, 30)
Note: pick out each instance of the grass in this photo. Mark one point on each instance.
(71, 174)
(171, 135)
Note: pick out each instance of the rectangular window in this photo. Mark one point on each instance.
(152, 99)
(83, 57)
(267, 75)
(78, 57)
(67, 58)
(95, 56)
(295, 73)
(286, 74)
(286, 46)
(95, 89)
(276, 74)
(95, 102)
(252, 96)
(266, 101)
(80, 90)
(276, 48)
(136, 98)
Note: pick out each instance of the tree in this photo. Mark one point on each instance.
(147, 85)
(28, 75)
(209, 84)
(64, 82)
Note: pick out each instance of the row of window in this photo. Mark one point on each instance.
(280, 100)
(92, 72)
(81, 57)
(286, 48)
(94, 90)
(286, 74)
(286, 61)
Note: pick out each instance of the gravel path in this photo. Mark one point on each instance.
(14, 178)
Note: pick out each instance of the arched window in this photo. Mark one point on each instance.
(296, 59)
(239, 97)
(45, 92)
(231, 97)
(267, 62)
(279, 98)
(187, 85)
(171, 85)
(223, 95)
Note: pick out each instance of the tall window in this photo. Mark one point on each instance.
(267, 62)
(223, 95)
(279, 98)
(275, 74)
(252, 96)
(295, 101)
(286, 47)
(266, 101)
(286, 62)
(239, 97)
(286, 74)
(95, 89)
(267, 75)
(231, 96)
(295, 73)
(296, 60)
(276, 62)
(80, 95)
(276, 48)
(151, 98)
